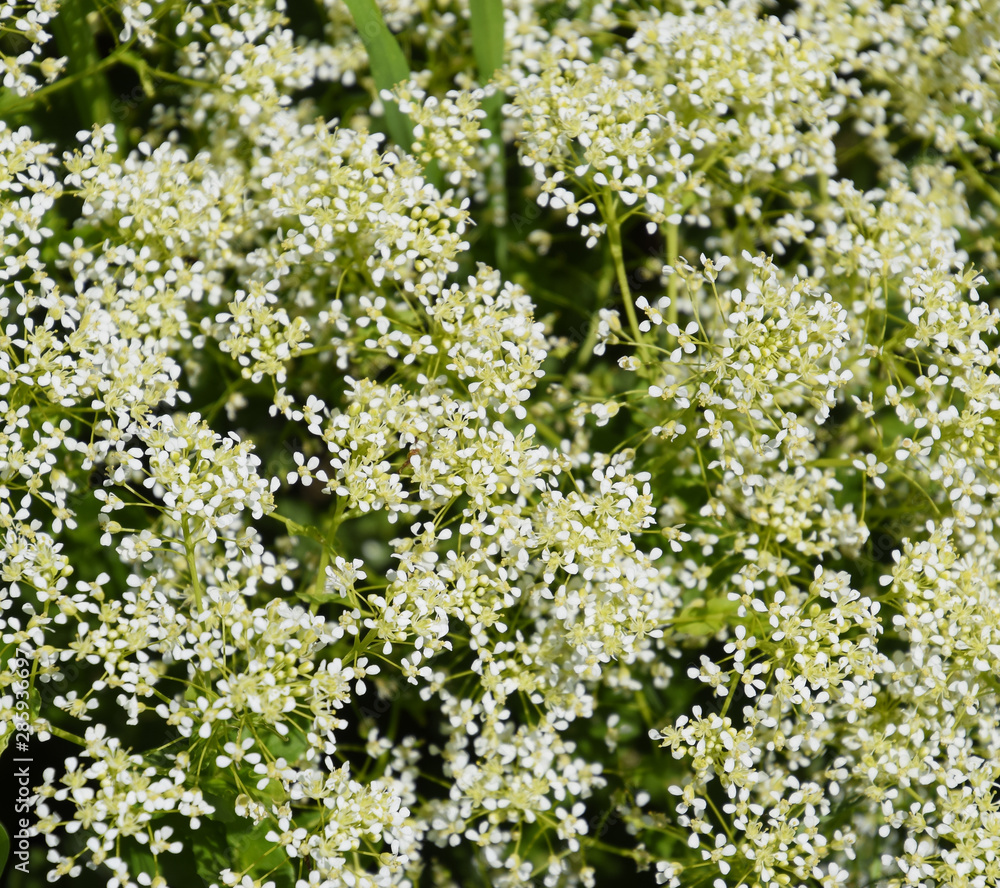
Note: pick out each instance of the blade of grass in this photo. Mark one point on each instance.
(486, 23)
(4, 847)
(486, 19)
(387, 62)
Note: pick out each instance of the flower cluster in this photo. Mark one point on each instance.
(24, 32)
(365, 525)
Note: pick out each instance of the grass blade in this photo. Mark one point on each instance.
(4, 847)
(486, 23)
(388, 64)
(487, 35)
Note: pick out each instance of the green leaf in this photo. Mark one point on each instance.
(211, 851)
(4, 847)
(138, 859)
(252, 850)
(699, 630)
(387, 62)
(290, 748)
(219, 794)
(701, 618)
(724, 607)
(486, 19)
(486, 22)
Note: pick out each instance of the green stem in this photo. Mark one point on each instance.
(673, 249)
(498, 183)
(296, 529)
(979, 181)
(823, 186)
(361, 645)
(586, 350)
(66, 735)
(148, 75)
(191, 562)
(618, 257)
(644, 710)
(327, 532)
(730, 695)
(19, 103)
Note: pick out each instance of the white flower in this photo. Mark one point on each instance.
(871, 466)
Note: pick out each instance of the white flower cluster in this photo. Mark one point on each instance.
(720, 90)
(24, 31)
(447, 131)
(359, 564)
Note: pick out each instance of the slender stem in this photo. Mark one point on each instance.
(66, 735)
(823, 186)
(497, 176)
(730, 695)
(586, 350)
(361, 644)
(191, 562)
(21, 102)
(979, 181)
(328, 533)
(149, 75)
(672, 284)
(723, 822)
(618, 257)
(296, 529)
(643, 705)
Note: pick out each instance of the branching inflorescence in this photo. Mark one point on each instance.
(356, 536)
